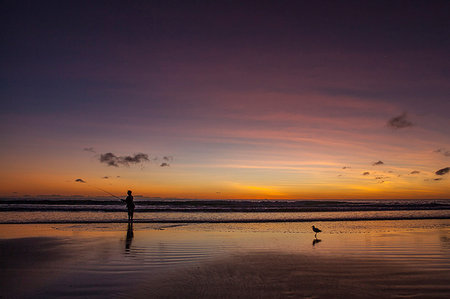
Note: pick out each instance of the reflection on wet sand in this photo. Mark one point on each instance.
(130, 236)
(358, 259)
(315, 241)
(287, 275)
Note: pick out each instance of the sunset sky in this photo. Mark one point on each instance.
(226, 99)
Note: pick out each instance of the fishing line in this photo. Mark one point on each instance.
(84, 182)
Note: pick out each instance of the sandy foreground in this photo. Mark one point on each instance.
(297, 276)
(217, 262)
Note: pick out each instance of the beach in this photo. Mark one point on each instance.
(225, 149)
(378, 259)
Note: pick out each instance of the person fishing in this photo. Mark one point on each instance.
(130, 205)
(128, 200)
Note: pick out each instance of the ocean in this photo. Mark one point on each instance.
(105, 210)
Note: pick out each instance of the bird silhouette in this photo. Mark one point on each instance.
(316, 230)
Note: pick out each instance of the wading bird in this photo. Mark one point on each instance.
(316, 230)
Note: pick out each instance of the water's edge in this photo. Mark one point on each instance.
(226, 220)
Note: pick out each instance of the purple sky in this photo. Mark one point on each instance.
(260, 99)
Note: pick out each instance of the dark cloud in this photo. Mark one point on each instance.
(381, 178)
(366, 173)
(137, 158)
(415, 172)
(89, 149)
(105, 177)
(80, 181)
(443, 151)
(399, 122)
(112, 160)
(378, 163)
(346, 167)
(443, 171)
(164, 164)
(438, 179)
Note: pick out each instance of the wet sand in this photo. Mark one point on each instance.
(273, 275)
(358, 260)
(29, 264)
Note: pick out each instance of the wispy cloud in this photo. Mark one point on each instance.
(415, 172)
(167, 159)
(366, 173)
(443, 151)
(381, 178)
(112, 160)
(89, 149)
(443, 171)
(377, 163)
(399, 122)
(346, 167)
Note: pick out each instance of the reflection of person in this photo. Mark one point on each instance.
(130, 236)
(130, 205)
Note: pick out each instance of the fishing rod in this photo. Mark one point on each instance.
(84, 182)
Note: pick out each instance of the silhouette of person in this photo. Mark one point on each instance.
(130, 205)
(130, 236)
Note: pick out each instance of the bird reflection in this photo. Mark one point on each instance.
(315, 241)
(130, 236)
